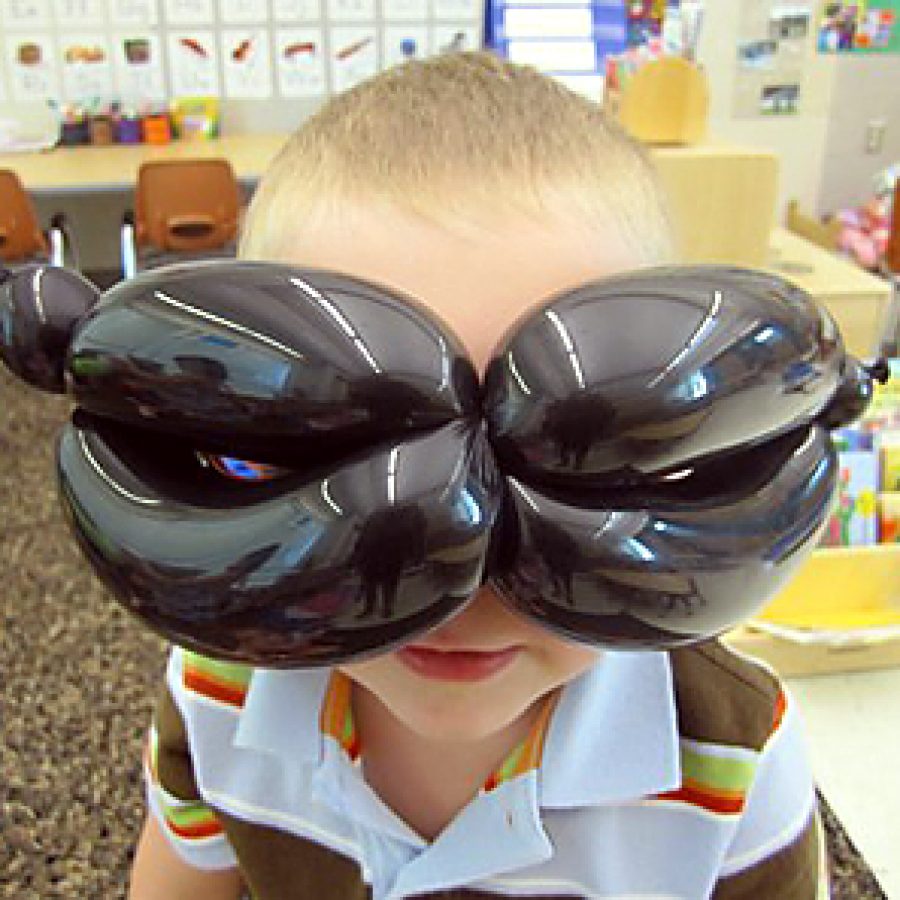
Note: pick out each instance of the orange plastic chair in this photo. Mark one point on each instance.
(183, 209)
(21, 236)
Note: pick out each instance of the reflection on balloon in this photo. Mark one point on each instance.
(291, 467)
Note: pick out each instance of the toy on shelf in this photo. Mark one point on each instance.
(865, 230)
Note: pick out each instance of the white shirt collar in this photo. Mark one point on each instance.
(613, 735)
(281, 714)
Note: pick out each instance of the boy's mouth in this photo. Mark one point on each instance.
(456, 665)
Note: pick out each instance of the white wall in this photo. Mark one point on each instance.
(866, 89)
(798, 140)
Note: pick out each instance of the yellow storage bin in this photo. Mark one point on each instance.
(666, 101)
(841, 612)
(842, 588)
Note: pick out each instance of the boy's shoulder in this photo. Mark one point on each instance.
(724, 698)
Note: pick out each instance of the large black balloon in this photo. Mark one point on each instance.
(647, 461)
(658, 431)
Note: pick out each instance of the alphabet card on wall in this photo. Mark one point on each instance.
(193, 68)
(31, 61)
(137, 57)
(86, 67)
(354, 55)
(297, 10)
(300, 62)
(245, 62)
(124, 13)
(240, 12)
(189, 12)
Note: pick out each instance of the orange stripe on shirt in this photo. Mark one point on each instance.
(198, 831)
(780, 707)
(336, 716)
(208, 685)
(528, 754)
(717, 801)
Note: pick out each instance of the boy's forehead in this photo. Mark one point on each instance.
(478, 278)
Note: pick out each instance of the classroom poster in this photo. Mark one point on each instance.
(193, 68)
(31, 62)
(25, 13)
(351, 10)
(403, 42)
(86, 67)
(239, 12)
(245, 62)
(457, 9)
(138, 61)
(451, 38)
(189, 12)
(866, 26)
(290, 11)
(78, 13)
(300, 62)
(149, 51)
(772, 49)
(133, 13)
(404, 10)
(354, 55)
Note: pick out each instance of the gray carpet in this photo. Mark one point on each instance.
(79, 678)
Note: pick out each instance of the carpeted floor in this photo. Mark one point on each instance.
(79, 678)
(78, 683)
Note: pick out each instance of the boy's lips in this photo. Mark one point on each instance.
(456, 665)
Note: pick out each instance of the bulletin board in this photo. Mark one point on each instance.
(143, 51)
(773, 49)
(567, 39)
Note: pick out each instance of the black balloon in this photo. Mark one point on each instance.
(293, 467)
(39, 308)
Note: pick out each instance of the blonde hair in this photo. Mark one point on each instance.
(448, 137)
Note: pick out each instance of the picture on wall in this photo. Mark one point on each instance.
(774, 40)
(300, 62)
(779, 99)
(866, 26)
(644, 20)
(137, 54)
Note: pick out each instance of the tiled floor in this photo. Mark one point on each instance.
(853, 726)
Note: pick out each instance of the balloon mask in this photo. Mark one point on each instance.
(294, 468)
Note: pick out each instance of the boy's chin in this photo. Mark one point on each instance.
(460, 716)
(459, 727)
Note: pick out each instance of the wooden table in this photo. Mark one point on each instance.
(89, 169)
(859, 302)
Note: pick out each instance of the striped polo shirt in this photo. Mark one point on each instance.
(655, 775)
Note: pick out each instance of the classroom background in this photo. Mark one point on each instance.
(775, 127)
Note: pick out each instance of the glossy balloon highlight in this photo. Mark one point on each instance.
(291, 467)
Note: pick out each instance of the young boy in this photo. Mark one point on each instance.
(488, 757)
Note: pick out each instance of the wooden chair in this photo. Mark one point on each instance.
(21, 237)
(823, 234)
(183, 209)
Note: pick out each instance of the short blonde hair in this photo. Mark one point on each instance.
(447, 137)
